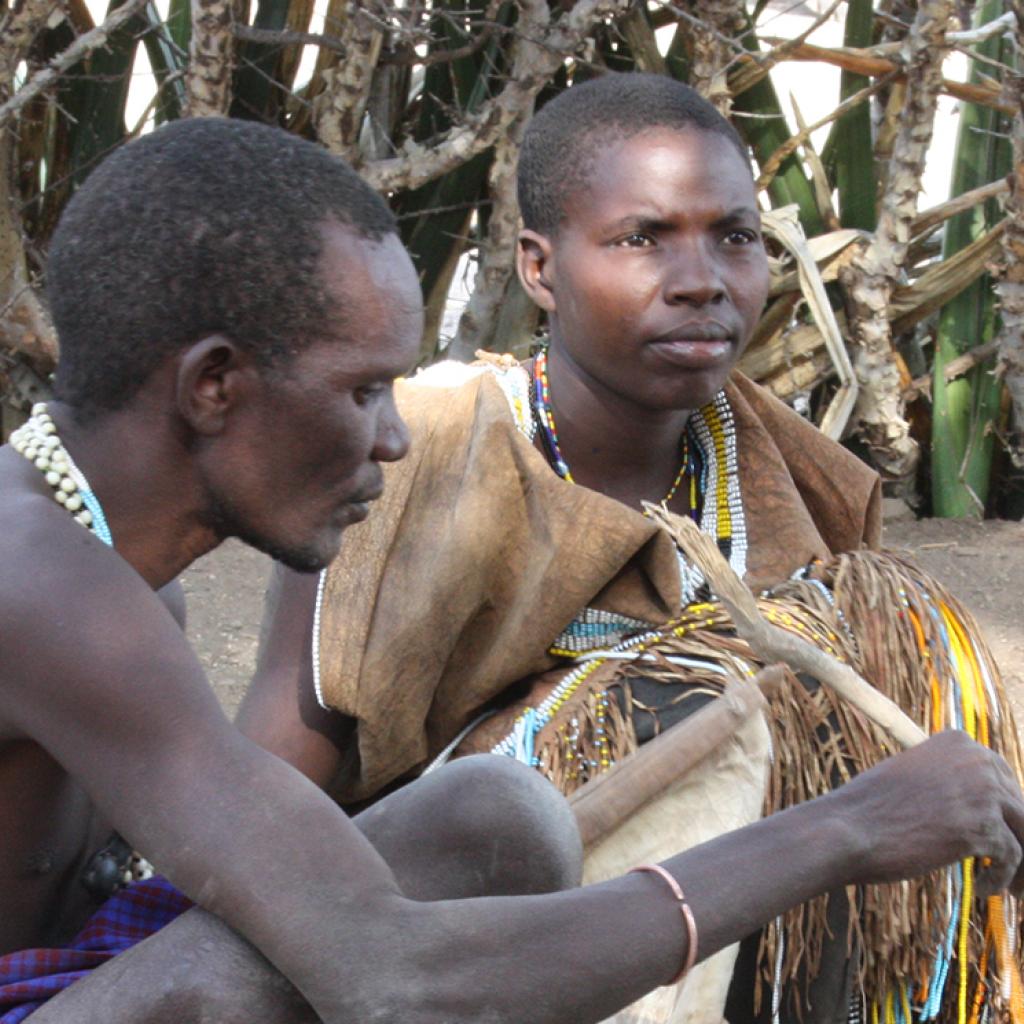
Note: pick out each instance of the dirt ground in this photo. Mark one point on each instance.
(982, 563)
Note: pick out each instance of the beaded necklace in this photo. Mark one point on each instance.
(37, 440)
(714, 503)
(549, 434)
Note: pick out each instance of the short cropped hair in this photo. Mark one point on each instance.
(565, 137)
(205, 226)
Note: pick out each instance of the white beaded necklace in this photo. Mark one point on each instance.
(37, 441)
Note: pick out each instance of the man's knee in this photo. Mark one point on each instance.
(509, 807)
(481, 825)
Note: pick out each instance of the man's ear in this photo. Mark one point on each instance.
(213, 375)
(535, 265)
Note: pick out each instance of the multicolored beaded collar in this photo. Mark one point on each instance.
(546, 421)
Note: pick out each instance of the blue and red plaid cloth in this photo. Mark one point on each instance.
(29, 978)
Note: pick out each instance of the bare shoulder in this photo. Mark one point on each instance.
(79, 628)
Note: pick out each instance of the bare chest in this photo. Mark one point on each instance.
(48, 828)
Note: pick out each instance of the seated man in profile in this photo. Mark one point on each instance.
(233, 306)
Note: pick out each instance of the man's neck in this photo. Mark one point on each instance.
(611, 444)
(141, 476)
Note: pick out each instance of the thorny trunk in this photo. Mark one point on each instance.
(24, 324)
(539, 50)
(1011, 284)
(721, 21)
(340, 109)
(497, 265)
(211, 58)
(873, 274)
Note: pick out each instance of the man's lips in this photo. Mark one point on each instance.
(358, 507)
(695, 345)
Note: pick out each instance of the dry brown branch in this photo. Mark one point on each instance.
(24, 324)
(819, 177)
(874, 273)
(1010, 285)
(787, 350)
(772, 643)
(830, 252)
(211, 59)
(870, 64)
(771, 166)
(639, 34)
(955, 368)
(410, 58)
(540, 48)
(910, 304)
(47, 77)
(931, 218)
(712, 57)
(497, 265)
(270, 37)
(750, 68)
(20, 24)
(973, 36)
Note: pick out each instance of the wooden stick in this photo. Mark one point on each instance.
(606, 802)
(775, 644)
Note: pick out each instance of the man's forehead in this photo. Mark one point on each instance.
(659, 170)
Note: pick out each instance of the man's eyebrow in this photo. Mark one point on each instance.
(653, 222)
(640, 222)
(739, 215)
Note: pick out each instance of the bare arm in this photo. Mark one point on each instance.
(95, 669)
(109, 686)
(280, 711)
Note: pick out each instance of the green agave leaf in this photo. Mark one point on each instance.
(966, 409)
(168, 58)
(765, 132)
(258, 93)
(94, 93)
(855, 176)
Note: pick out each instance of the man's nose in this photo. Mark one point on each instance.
(392, 435)
(693, 277)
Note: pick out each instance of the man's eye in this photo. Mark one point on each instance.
(368, 392)
(741, 236)
(636, 240)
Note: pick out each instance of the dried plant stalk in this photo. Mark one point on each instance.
(873, 274)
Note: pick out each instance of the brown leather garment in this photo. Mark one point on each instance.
(479, 555)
